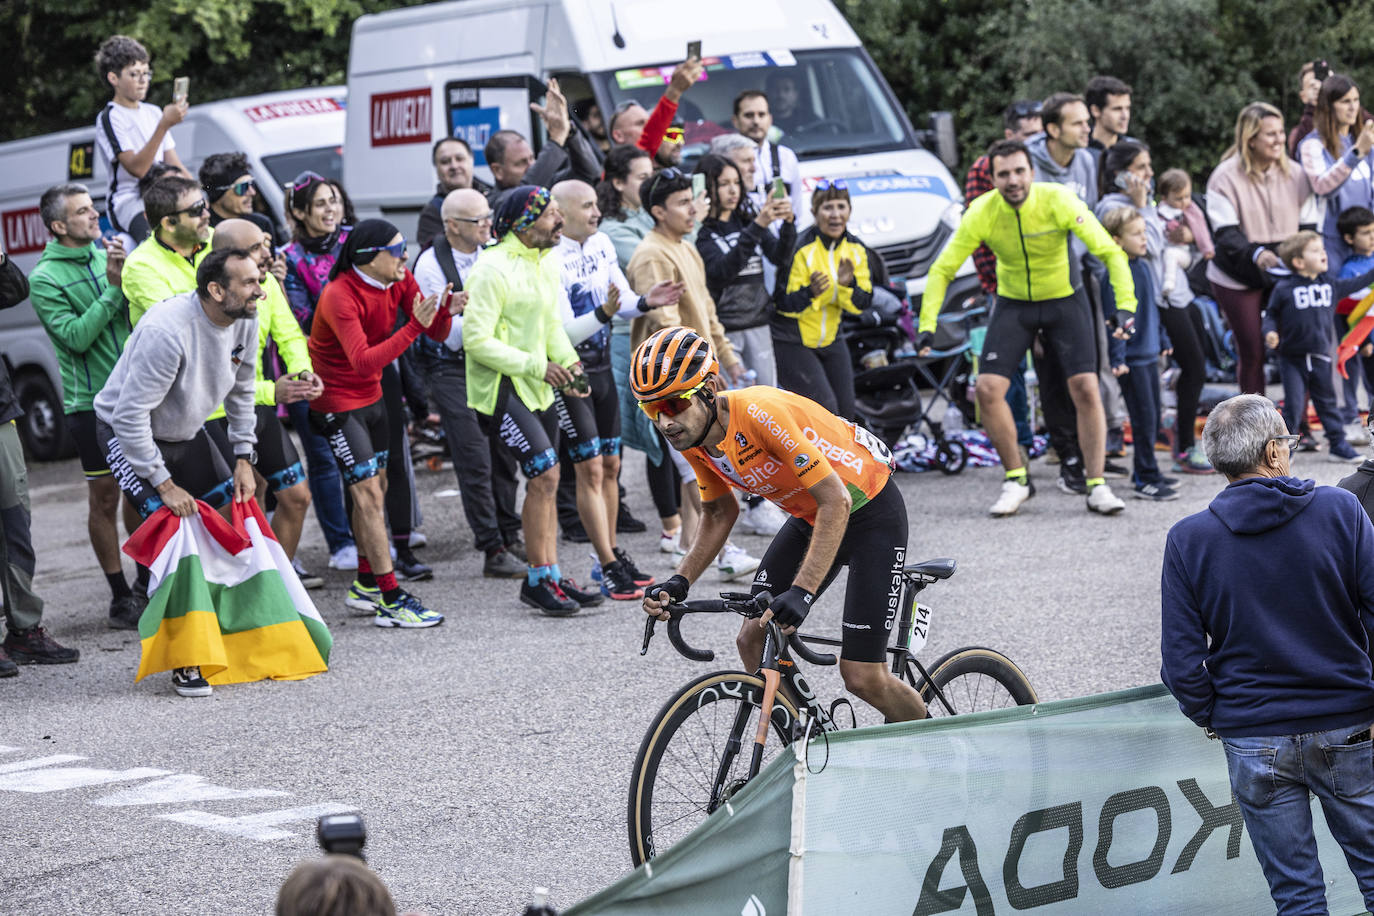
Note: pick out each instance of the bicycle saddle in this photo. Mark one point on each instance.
(939, 568)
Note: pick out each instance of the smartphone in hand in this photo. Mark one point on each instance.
(181, 87)
(698, 185)
(779, 188)
(694, 50)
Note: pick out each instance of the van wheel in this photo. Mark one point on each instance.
(43, 427)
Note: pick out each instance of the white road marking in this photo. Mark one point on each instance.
(181, 788)
(59, 779)
(256, 826)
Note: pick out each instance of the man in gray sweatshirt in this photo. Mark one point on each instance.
(188, 354)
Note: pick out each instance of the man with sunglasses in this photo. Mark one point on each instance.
(832, 477)
(1267, 605)
(231, 191)
(164, 264)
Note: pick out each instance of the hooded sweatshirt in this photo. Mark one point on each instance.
(1079, 176)
(1267, 602)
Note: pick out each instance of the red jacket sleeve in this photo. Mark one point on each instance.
(659, 121)
(368, 360)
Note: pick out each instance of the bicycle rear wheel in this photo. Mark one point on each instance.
(974, 679)
(678, 778)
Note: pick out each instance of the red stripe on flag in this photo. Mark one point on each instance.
(148, 542)
(244, 511)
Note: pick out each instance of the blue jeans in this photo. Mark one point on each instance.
(326, 487)
(1271, 778)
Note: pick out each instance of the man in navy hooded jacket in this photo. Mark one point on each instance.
(1268, 605)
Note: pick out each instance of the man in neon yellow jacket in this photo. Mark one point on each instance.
(517, 353)
(277, 461)
(164, 264)
(1027, 224)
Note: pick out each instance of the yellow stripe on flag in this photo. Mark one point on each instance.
(180, 642)
(282, 652)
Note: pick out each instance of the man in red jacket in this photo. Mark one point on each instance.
(353, 337)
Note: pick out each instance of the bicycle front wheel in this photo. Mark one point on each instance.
(975, 679)
(685, 768)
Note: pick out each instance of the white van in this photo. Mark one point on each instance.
(469, 68)
(282, 133)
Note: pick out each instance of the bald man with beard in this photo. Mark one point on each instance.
(278, 466)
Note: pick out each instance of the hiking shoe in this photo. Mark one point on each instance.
(1343, 452)
(187, 682)
(35, 647)
(7, 666)
(417, 540)
(1193, 461)
(617, 585)
(548, 598)
(1113, 471)
(762, 518)
(735, 563)
(125, 612)
(625, 523)
(409, 569)
(637, 575)
(1102, 500)
(406, 612)
(502, 565)
(1013, 494)
(362, 597)
(1071, 477)
(1160, 493)
(583, 598)
(345, 558)
(308, 579)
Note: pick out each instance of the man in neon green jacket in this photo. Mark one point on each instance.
(517, 353)
(164, 264)
(1027, 224)
(277, 461)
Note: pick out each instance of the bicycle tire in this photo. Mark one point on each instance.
(696, 768)
(950, 456)
(974, 679)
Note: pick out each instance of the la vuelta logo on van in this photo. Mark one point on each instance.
(24, 231)
(401, 117)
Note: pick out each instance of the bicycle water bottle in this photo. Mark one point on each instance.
(539, 904)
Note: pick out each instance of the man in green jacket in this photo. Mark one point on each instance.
(517, 353)
(75, 289)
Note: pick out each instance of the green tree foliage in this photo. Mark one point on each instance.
(1193, 64)
(227, 47)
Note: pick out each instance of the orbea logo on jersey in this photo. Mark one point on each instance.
(773, 426)
(833, 452)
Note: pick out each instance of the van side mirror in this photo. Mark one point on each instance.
(941, 138)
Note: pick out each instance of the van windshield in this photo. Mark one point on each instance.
(325, 160)
(825, 103)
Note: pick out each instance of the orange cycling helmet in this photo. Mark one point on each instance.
(671, 361)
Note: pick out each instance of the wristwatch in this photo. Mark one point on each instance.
(251, 457)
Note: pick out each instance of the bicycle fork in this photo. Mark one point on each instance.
(768, 668)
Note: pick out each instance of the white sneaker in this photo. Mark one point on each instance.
(344, 558)
(1014, 493)
(735, 563)
(418, 539)
(667, 543)
(764, 518)
(1102, 499)
(1357, 434)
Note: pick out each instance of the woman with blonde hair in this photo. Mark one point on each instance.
(1254, 198)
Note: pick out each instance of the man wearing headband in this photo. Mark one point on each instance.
(517, 354)
(352, 339)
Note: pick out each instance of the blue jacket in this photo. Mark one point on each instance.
(1302, 309)
(1267, 605)
(1149, 339)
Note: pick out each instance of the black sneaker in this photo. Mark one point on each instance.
(1157, 492)
(7, 667)
(617, 585)
(35, 647)
(585, 599)
(625, 523)
(573, 531)
(125, 612)
(548, 598)
(637, 575)
(187, 682)
(1113, 471)
(1071, 477)
(502, 565)
(409, 569)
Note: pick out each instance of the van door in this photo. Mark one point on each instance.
(474, 109)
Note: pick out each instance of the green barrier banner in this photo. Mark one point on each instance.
(1107, 804)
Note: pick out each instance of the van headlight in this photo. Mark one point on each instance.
(953, 213)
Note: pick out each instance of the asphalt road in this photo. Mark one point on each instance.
(491, 754)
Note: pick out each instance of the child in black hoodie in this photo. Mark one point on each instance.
(1299, 325)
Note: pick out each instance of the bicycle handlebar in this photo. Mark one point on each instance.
(750, 606)
(806, 652)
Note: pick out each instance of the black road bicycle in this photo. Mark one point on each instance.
(711, 737)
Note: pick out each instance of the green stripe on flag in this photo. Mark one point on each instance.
(259, 601)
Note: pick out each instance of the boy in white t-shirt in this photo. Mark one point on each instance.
(130, 134)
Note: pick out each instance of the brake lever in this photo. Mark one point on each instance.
(648, 635)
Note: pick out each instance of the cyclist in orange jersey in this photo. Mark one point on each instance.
(831, 476)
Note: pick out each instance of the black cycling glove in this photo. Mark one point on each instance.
(924, 339)
(791, 607)
(676, 587)
(1126, 321)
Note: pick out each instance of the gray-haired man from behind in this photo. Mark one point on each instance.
(188, 355)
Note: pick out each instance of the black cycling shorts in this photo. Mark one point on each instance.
(1067, 325)
(359, 440)
(531, 436)
(81, 425)
(196, 465)
(278, 462)
(874, 549)
(591, 425)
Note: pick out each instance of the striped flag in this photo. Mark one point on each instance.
(225, 597)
